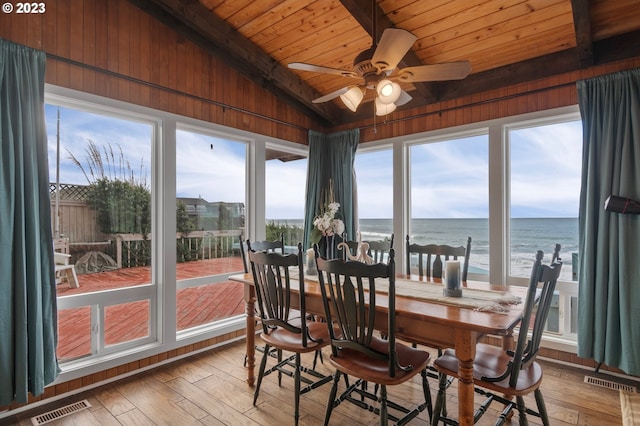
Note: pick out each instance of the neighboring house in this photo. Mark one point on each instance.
(213, 216)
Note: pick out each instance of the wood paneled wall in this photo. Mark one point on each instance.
(113, 49)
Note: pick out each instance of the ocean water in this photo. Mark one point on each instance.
(527, 236)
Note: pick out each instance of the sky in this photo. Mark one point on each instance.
(449, 179)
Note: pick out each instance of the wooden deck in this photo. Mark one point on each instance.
(124, 322)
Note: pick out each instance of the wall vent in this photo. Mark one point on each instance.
(604, 383)
(60, 412)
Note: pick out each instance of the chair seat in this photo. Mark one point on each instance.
(360, 365)
(492, 361)
(289, 341)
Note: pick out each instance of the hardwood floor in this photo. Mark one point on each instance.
(210, 389)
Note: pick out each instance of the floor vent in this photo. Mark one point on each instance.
(60, 412)
(604, 383)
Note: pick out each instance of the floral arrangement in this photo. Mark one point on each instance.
(326, 223)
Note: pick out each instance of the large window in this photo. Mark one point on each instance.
(210, 215)
(544, 177)
(285, 189)
(449, 199)
(100, 171)
(152, 243)
(374, 176)
(545, 167)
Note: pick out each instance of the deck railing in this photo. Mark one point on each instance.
(134, 249)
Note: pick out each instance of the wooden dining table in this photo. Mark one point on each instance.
(431, 323)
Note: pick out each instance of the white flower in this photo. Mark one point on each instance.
(338, 226)
(326, 222)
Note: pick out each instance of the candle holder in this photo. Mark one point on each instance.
(452, 287)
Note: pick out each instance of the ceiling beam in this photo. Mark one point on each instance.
(362, 11)
(582, 26)
(605, 51)
(194, 21)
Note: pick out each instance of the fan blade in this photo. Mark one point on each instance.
(331, 95)
(393, 45)
(326, 70)
(436, 72)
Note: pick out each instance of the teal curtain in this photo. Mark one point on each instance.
(609, 271)
(331, 158)
(28, 326)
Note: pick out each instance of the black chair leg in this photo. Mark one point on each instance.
(383, 405)
(437, 409)
(296, 414)
(332, 397)
(316, 357)
(427, 393)
(279, 371)
(263, 364)
(542, 409)
(522, 410)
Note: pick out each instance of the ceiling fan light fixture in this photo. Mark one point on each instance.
(352, 98)
(383, 108)
(388, 91)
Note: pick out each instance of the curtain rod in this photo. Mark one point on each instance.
(170, 90)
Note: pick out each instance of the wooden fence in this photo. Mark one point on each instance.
(78, 222)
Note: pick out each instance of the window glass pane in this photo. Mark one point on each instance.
(126, 322)
(545, 169)
(210, 190)
(374, 174)
(74, 333)
(450, 196)
(285, 185)
(100, 174)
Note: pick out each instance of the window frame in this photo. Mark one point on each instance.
(163, 215)
(162, 292)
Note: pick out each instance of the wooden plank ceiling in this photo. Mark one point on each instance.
(506, 41)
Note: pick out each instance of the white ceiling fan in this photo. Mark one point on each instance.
(375, 68)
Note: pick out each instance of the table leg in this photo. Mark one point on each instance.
(250, 299)
(465, 347)
(508, 342)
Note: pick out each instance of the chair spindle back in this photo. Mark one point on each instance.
(348, 289)
(431, 258)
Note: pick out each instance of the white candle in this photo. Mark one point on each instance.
(452, 274)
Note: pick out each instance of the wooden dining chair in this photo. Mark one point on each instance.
(378, 250)
(270, 246)
(501, 375)
(283, 328)
(348, 289)
(431, 258)
(276, 246)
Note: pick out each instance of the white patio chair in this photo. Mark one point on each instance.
(65, 271)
